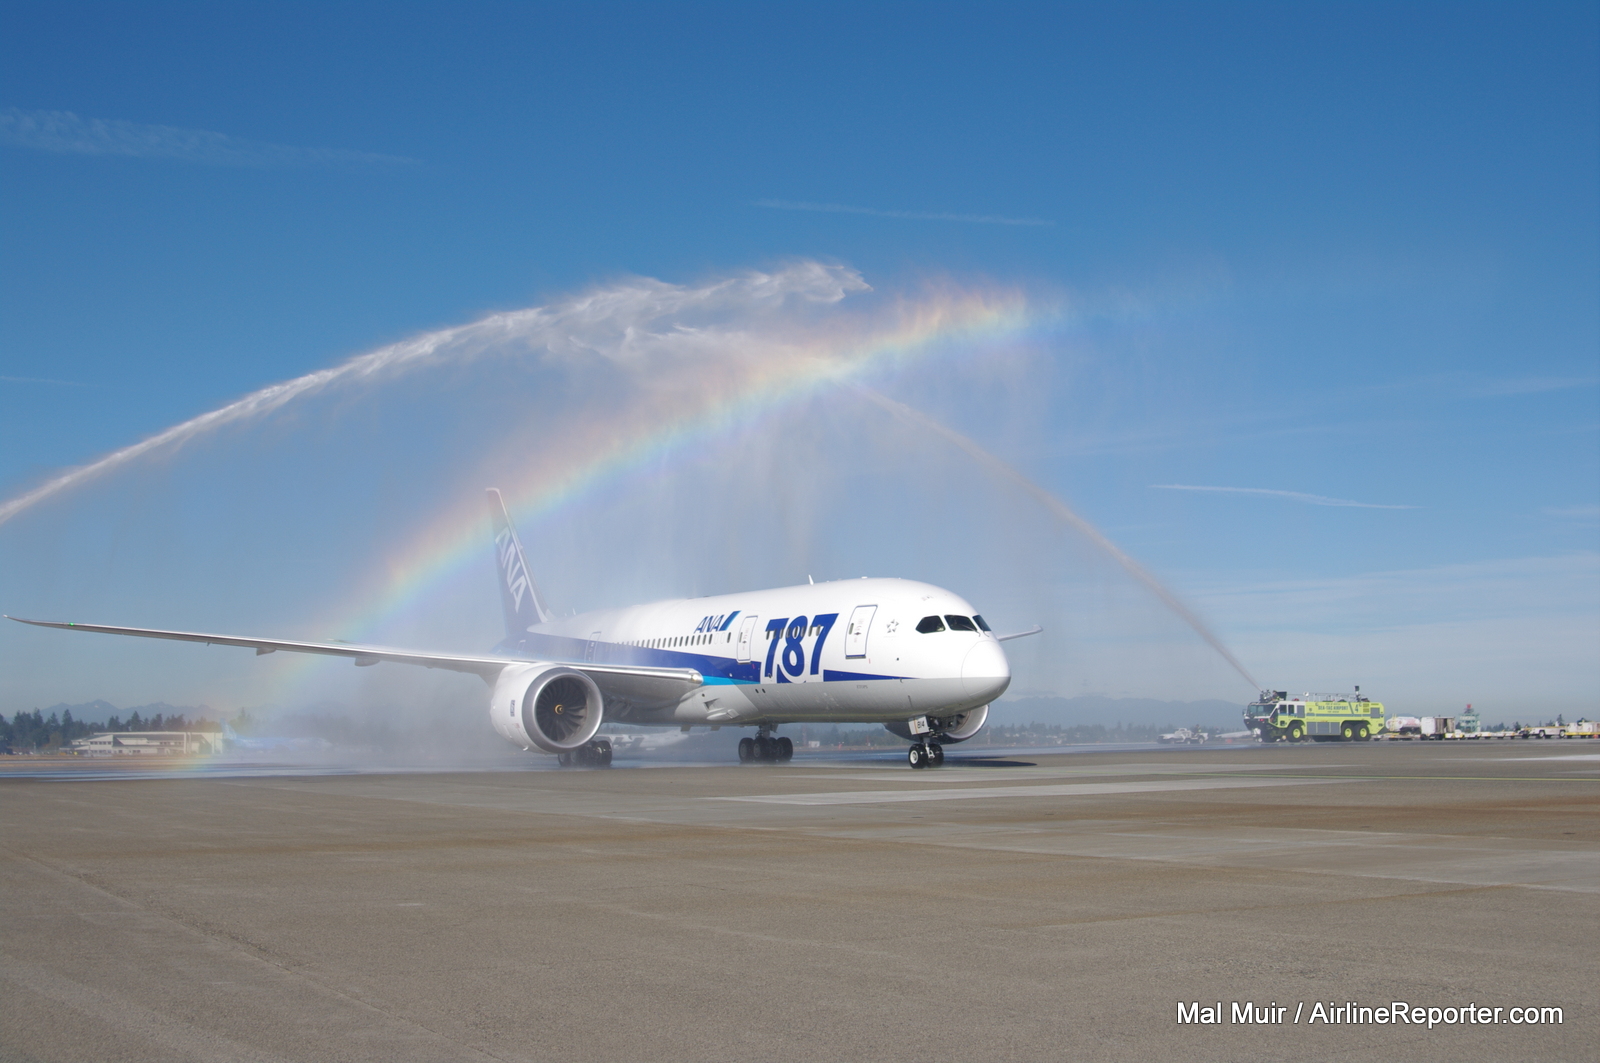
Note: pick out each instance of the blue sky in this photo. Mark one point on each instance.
(1320, 254)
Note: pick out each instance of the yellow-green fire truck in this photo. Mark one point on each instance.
(1275, 717)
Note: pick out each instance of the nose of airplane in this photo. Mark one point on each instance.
(985, 672)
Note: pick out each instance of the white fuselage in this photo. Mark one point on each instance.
(843, 651)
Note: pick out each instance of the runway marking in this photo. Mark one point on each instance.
(1400, 857)
(1427, 778)
(957, 772)
(974, 793)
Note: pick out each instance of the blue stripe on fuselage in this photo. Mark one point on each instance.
(831, 676)
(717, 671)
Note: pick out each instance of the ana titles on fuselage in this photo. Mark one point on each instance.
(911, 656)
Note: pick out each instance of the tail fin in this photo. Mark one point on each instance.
(519, 595)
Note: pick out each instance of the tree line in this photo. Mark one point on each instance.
(33, 732)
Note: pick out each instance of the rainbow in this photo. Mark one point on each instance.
(725, 403)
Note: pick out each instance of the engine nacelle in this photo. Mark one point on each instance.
(957, 727)
(555, 708)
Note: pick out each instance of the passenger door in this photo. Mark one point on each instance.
(745, 631)
(855, 636)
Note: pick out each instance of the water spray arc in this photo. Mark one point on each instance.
(614, 321)
(715, 356)
(1066, 515)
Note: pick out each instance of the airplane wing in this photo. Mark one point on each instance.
(626, 680)
(1034, 630)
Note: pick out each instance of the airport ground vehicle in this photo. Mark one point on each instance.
(1275, 716)
(1436, 728)
(1183, 736)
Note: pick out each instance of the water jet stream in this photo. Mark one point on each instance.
(612, 320)
(1065, 514)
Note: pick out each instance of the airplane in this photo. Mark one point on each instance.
(911, 656)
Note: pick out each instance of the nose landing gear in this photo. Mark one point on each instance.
(765, 747)
(925, 755)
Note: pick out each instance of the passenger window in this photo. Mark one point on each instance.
(981, 625)
(929, 624)
(959, 623)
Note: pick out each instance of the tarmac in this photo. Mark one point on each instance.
(1007, 906)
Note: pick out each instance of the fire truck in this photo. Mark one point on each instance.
(1276, 717)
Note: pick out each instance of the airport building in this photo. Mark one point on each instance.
(149, 743)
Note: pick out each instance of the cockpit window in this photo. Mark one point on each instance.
(981, 625)
(959, 623)
(929, 624)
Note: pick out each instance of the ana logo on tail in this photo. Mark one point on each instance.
(516, 576)
(519, 594)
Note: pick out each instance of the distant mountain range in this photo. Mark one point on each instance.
(98, 711)
(1096, 708)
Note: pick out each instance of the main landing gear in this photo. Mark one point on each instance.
(765, 746)
(925, 755)
(596, 754)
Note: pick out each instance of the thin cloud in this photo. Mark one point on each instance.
(1586, 513)
(66, 133)
(43, 380)
(911, 215)
(1474, 386)
(1296, 496)
(1532, 385)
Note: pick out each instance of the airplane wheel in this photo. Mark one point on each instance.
(935, 754)
(917, 757)
(763, 747)
(564, 759)
(602, 754)
(785, 749)
(747, 750)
